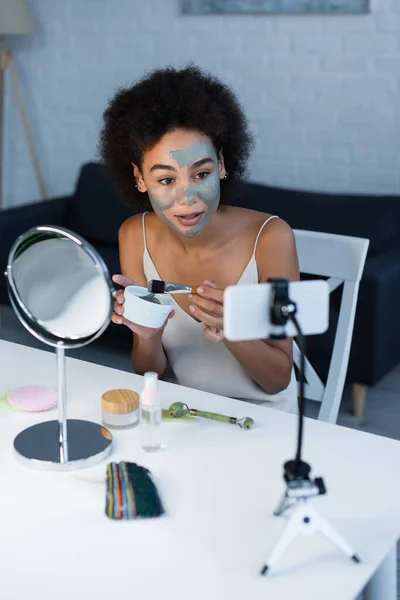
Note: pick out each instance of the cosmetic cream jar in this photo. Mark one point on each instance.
(120, 408)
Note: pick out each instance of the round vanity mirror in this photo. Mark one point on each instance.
(61, 291)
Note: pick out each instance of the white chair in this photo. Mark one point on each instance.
(341, 259)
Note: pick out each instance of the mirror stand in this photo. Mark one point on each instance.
(61, 291)
(65, 444)
(61, 400)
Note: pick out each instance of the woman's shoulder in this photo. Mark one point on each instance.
(130, 226)
(134, 225)
(255, 220)
(276, 254)
(140, 231)
(273, 230)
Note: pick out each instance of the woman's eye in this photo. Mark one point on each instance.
(202, 175)
(166, 181)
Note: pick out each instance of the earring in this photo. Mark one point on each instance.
(136, 186)
(225, 176)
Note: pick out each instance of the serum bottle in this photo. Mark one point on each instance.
(150, 414)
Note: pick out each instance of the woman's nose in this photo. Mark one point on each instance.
(189, 195)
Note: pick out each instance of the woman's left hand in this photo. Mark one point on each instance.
(207, 305)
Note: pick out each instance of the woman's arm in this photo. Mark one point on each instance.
(269, 366)
(268, 363)
(147, 352)
(148, 355)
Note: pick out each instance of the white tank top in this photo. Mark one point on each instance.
(199, 363)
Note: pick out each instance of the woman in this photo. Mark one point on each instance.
(178, 142)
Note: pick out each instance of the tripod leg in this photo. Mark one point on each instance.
(284, 504)
(323, 525)
(293, 528)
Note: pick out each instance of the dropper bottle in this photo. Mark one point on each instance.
(150, 414)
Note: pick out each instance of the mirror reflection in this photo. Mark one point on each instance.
(60, 285)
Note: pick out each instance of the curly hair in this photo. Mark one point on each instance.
(138, 117)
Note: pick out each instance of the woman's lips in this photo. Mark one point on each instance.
(190, 220)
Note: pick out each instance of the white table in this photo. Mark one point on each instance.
(219, 485)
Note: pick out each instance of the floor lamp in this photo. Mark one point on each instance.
(15, 19)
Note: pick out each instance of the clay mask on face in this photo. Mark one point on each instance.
(164, 197)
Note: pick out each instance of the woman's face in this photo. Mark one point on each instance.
(181, 175)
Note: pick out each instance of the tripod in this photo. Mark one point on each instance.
(304, 518)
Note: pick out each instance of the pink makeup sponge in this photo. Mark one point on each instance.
(32, 398)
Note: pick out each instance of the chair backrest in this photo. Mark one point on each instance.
(341, 259)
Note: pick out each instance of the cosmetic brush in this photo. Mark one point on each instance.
(167, 287)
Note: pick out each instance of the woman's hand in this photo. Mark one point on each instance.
(145, 333)
(208, 307)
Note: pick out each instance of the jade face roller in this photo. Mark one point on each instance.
(179, 409)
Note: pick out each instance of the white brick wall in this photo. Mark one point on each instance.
(322, 93)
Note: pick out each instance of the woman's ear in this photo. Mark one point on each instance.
(139, 182)
(221, 165)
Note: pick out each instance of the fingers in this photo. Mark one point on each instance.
(146, 332)
(143, 332)
(213, 334)
(209, 306)
(119, 297)
(122, 280)
(211, 292)
(118, 308)
(209, 283)
(206, 318)
(118, 318)
(119, 303)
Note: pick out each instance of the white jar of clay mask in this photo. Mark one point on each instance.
(146, 312)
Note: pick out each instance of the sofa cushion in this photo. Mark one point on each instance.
(376, 218)
(95, 211)
(110, 256)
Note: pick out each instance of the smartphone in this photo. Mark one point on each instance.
(247, 310)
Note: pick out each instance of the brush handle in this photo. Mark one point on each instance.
(169, 287)
(175, 292)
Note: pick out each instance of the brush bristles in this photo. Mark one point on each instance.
(156, 287)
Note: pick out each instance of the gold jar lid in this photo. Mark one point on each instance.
(120, 401)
